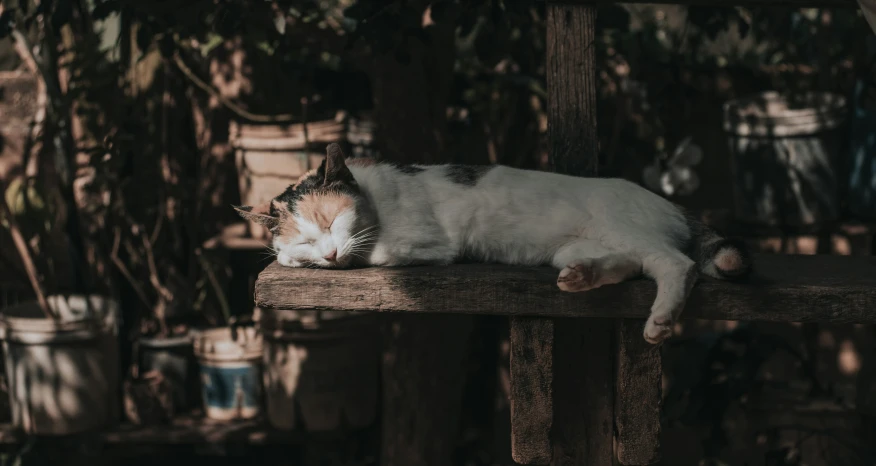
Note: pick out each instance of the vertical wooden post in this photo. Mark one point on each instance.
(638, 396)
(564, 402)
(583, 426)
(532, 407)
(562, 412)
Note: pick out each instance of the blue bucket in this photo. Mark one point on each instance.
(231, 372)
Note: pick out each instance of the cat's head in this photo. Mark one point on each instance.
(323, 220)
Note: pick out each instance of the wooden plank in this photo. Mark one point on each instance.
(532, 407)
(185, 430)
(785, 288)
(729, 3)
(638, 396)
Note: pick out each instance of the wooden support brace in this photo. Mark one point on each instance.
(638, 396)
(532, 407)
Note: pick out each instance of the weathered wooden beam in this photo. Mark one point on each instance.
(536, 342)
(583, 428)
(638, 396)
(728, 3)
(785, 288)
(532, 405)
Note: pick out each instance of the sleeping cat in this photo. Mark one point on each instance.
(595, 231)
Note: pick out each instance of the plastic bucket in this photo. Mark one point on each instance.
(174, 359)
(230, 372)
(321, 369)
(63, 374)
(784, 156)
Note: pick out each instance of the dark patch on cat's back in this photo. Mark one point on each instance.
(467, 175)
(410, 169)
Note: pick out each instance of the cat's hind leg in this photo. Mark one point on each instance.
(675, 275)
(586, 265)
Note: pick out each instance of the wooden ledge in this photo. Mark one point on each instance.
(185, 430)
(785, 288)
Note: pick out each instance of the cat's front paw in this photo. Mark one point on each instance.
(286, 261)
(578, 276)
(657, 329)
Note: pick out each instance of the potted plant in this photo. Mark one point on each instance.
(62, 352)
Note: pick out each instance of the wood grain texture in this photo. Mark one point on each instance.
(728, 3)
(572, 144)
(583, 396)
(638, 396)
(532, 407)
(785, 288)
(583, 428)
(571, 88)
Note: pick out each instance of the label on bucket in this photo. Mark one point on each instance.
(235, 389)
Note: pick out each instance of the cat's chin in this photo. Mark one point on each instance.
(285, 262)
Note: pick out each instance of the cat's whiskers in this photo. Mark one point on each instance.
(269, 253)
(360, 242)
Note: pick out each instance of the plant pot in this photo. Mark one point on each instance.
(269, 158)
(862, 155)
(63, 375)
(230, 371)
(784, 153)
(321, 369)
(149, 399)
(174, 359)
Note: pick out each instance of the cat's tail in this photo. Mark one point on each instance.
(719, 257)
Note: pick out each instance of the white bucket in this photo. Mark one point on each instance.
(63, 374)
(230, 372)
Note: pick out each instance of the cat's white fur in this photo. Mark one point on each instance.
(596, 231)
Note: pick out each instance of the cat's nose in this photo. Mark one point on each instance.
(332, 256)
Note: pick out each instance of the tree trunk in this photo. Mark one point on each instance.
(410, 100)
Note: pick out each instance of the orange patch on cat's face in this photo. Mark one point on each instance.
(322, 208)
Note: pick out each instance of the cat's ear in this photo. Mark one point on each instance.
(260, 214)
(336, 170)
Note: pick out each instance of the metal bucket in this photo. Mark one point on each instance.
(174, 359)
(63, 374)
